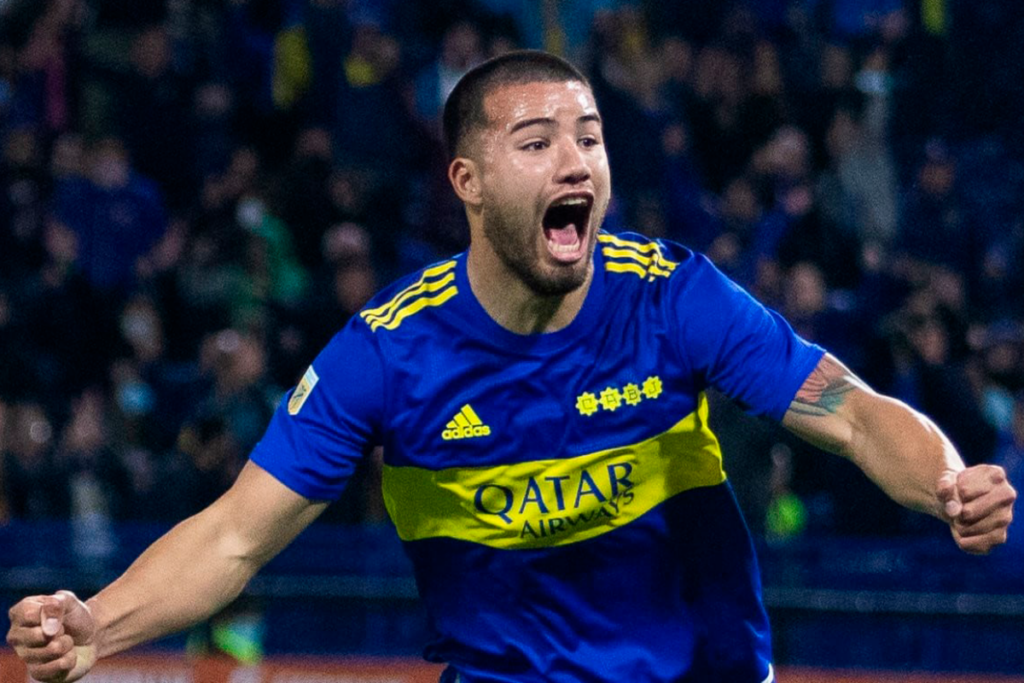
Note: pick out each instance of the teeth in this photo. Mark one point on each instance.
(564, 248)
(571, 201)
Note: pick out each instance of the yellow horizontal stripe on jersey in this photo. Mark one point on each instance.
(616, 267)
(626, 253)
(415, 307)
(412, 290)
(554, 502)
(619, 242)
(655, 258)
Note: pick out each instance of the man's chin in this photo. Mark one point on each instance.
(561, 280)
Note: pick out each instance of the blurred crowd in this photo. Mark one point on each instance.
(196, 194)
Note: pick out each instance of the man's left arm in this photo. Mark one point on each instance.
(904, 453)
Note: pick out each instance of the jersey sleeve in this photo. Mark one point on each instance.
(747, 351)
(324, 426)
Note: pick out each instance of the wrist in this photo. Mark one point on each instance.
(100, 622)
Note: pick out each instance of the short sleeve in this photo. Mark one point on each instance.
(747, 351)
(324, 426)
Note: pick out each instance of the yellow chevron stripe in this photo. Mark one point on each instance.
(619, 242)
(615, 267)
(651, 269)
(656, 257)
(411, 290)
(451, 425)
(416, 307)
(461, 420)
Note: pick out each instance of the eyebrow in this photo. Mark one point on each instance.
(546, 121)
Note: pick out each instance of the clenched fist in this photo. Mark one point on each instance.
(978, 504)
(53, 635)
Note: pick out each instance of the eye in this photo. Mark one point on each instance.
(589, 141)
(535, 146)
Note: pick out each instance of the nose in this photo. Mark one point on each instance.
(573, 166)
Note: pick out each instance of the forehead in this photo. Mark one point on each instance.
(507, 105)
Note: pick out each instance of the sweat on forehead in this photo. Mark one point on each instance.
(465, 109)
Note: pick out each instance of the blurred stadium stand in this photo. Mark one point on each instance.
(834, 602)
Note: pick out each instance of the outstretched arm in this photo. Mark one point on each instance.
(903, 452)
(186, 576)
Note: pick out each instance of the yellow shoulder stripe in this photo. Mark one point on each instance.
(391, 313)
(413, 308)
(619, 242)
(411, 289)
(644, 259)
(545, 503)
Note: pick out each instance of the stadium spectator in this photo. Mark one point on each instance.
(25, 186)
(301, 196)
(934, 228)
(115, 216)
(235, 365)
(153, 110)
(461, 49)
(32, 486)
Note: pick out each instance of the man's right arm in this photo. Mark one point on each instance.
(186, 576)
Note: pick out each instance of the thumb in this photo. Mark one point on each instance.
(949, 495)
(51, 614)
(78, 619)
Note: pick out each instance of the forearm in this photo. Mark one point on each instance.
(202, 564)
(185, 577)
(901, 450)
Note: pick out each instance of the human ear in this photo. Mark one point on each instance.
(464, 175)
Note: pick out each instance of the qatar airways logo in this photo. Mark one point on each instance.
(547, 505)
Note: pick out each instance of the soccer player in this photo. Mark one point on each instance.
(549, 465)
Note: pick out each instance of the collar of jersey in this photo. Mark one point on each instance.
(482, 324)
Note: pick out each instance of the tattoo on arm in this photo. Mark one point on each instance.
(824, 391)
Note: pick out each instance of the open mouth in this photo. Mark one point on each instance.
(565, 226)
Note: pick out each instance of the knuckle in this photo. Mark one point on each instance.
(59, 647)
(975, 545)
(43, 672)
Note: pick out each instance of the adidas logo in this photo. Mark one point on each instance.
(465, 425)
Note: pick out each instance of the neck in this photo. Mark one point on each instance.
(512, 304)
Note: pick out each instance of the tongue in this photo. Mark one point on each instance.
(563, 235)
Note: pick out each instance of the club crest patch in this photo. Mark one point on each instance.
(302, 391)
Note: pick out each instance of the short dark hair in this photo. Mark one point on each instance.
(464, 108)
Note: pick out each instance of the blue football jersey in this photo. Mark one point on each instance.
(561, 495)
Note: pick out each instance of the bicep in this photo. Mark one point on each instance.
(825, 409)
(260, 516)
